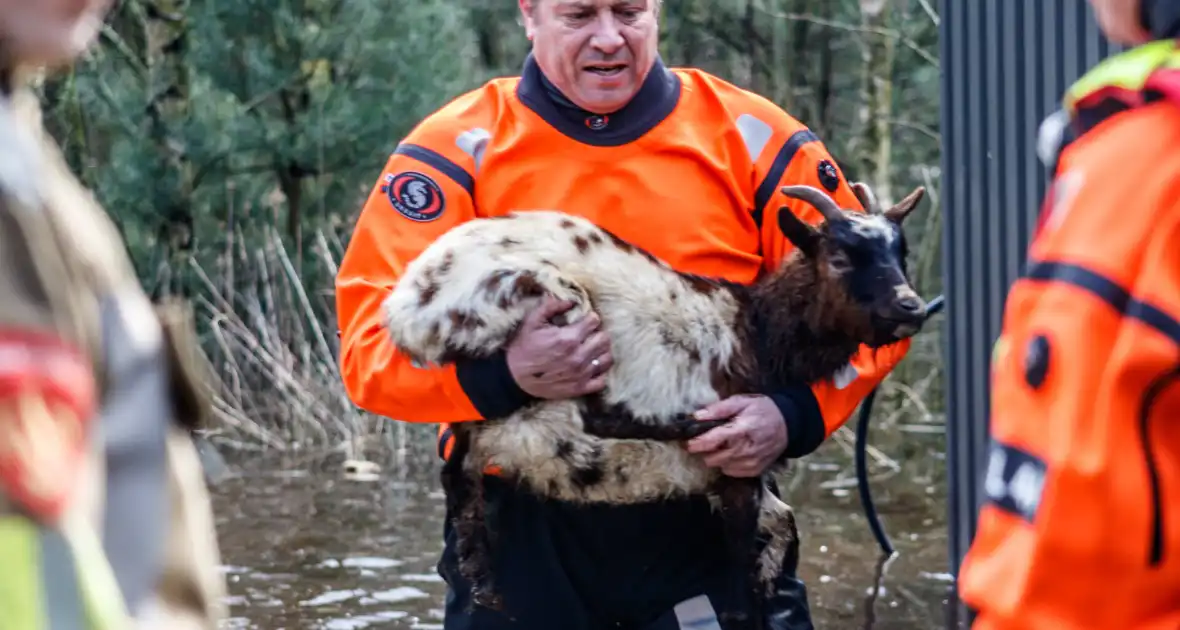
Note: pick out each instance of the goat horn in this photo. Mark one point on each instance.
(816, 197)
(866, 197)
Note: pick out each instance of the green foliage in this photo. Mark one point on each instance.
(286, 111)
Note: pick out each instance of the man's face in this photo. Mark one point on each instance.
(49, 31)
(1119, 20)
(597, 52)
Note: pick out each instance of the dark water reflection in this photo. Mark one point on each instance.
(304, 548)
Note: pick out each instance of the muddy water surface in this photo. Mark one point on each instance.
(304, 547)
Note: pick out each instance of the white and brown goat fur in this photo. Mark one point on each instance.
(678, 342)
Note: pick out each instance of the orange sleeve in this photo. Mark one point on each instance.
(823, 407)
(425, 189)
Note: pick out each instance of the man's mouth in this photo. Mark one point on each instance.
(606, 69)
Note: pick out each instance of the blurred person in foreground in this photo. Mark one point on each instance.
(677, 161)
(1081, 523)
(105, 522)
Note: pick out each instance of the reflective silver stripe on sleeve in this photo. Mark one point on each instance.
(755, 133)
(474, 142)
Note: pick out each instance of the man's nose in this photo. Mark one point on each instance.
(608, 37)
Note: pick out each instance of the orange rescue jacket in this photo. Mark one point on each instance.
(1080, 527)
(690, 170)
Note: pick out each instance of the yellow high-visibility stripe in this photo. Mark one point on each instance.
(22, 578)
(1128, 70)
(21, 595)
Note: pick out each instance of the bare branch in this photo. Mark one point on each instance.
(852, 28)
(930, 11)
(922, 129)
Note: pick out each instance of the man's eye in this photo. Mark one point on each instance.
(629, 14)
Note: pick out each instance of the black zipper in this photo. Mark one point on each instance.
(1150, 397)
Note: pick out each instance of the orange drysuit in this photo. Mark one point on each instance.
(690, 170)
(1081, 522)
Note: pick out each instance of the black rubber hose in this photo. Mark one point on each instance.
(933, 307)
(862, 475)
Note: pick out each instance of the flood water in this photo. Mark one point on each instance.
(305, 547)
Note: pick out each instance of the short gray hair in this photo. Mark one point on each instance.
(656, 4)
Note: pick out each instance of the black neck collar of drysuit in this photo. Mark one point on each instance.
(1161, 18)
(651, 105)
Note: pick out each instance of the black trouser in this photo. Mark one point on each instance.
(559, 566)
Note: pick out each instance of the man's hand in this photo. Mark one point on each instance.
(557, 362)
(753, 438)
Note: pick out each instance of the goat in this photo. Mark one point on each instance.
(679, 341)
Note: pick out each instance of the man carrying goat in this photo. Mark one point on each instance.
(676, 161)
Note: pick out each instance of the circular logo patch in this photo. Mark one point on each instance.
(415, 196)
(597, 123)
(828, 175)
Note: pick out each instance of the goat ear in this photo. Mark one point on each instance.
(866, 197)
(902, 209)
(802, 235)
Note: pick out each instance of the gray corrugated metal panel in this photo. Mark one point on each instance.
(1005, 65)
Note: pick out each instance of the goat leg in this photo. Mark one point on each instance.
(750, 513)
(739, 498)
(781, 551)
(465, 501)
(459, 489)
(625, 427)
(479, 558)
(751, 522)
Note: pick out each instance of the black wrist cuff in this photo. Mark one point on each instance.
(805, 422)
(489, 385)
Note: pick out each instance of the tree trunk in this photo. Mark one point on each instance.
(167, 86)
(878, 52)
